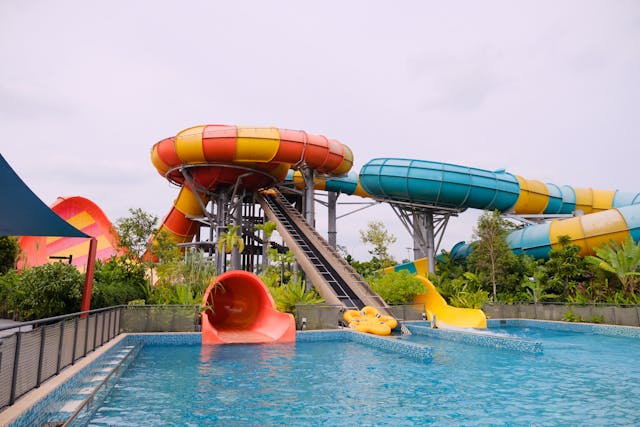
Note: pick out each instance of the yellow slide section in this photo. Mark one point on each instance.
(436, 305)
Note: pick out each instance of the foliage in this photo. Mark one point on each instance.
(9, 250)
(397, 287)
(10, 293)
(380, 239)
(48, 290)
(623, 261)
(464, 291)
(182, 280)
(267, 229)
(135, 231)
(280, 271)
(491, 254)
(565, 269)
(569, 316)
(117, 281)
(230, 240)
(287, 296)
(596, 319)
(367, 268)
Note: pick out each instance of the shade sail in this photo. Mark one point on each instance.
(22, 213)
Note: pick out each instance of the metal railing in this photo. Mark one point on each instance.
(30, 357)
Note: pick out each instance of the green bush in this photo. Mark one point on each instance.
(397, 287)
(117, 281)
(48, 290)
(9, 294)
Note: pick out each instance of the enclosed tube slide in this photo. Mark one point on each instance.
(217, 156)
(84, 215)
(603, 215)
(438, 310)
(238, 308)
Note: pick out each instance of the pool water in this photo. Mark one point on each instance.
(581, 379)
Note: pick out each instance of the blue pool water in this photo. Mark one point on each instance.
(580, 379)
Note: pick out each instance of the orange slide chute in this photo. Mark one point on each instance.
(240, 309)
(219, 156)
(85, 216)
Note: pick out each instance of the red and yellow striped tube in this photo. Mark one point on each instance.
(220, 155)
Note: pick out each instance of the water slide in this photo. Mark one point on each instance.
(436, 305)
(84, 215)
(600, 215)
(215, 157)
(238, 308)
(221, 158)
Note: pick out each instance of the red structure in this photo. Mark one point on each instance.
(241, 310)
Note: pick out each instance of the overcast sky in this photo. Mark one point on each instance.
(549, 90)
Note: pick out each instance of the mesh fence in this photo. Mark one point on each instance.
(27, 358)
(161, 318)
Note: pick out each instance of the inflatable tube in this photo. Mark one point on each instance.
(369, 320)
(238, 308)
(215, 156)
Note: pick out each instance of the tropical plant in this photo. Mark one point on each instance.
(230, 241)
(287, 296)
(267, 228)
(396, 287)
(623, 261)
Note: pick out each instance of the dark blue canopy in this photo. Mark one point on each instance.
(22, 213)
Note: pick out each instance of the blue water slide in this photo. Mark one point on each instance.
(440, 184)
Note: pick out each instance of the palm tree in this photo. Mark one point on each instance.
(621, 260)
(267, 229)
(229, 241)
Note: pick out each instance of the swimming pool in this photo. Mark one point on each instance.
(580, 379)
(349, 379)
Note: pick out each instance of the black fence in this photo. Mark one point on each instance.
(33, 352)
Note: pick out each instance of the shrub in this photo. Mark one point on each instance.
(397, 287)
(117, 281)
(49, 290)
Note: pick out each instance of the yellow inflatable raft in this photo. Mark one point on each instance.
(370, 320)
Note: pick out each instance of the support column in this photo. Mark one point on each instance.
(424, 237)
(332, 227)
(309, 193)
(430, 241)
(237, 220)
(221, 217)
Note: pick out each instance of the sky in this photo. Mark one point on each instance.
(548, 90)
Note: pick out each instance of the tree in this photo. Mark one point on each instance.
(377, 236)
(491, 253)
(9, 250)
(267, 229)
(135, 231)
(621, 260)
(229, 241)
